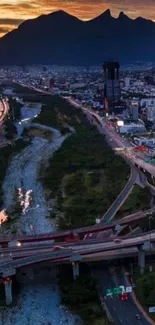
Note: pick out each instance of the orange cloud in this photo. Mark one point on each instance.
(19, 10)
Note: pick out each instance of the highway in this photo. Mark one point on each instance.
(109, 215)
(122, 312)
(83, 248)
(133, 218)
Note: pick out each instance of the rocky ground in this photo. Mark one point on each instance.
(38, 304)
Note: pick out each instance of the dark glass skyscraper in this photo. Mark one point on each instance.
(111, 82)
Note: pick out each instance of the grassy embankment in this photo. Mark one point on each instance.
(14, 114)
(84, 169)
(145, 290)
(139, 199)
(81, 295)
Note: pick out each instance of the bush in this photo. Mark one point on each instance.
(81, 295)
(85, 168)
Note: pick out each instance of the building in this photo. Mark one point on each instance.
(132, 128)
(145, 141)
(150, 113)
(134, 112)
(147, 102)
(111, 83)
(126, 82)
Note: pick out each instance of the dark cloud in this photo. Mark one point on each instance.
(10, 21)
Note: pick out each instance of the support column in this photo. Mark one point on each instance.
(75, 259)
(141, 260)
(7, 280)
(75, 266)
(8, 291)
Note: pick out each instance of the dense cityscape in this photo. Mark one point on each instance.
(77, 173)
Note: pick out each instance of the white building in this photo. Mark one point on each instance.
(145, 141)
(150, 113)
(147, 102)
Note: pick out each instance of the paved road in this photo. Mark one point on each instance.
(122, 312)
(109, 215)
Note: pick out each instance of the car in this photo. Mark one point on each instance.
(138, 316)
(57, 248)
(124, 296)
(117, 240)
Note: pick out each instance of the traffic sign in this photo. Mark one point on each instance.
(128, 289)
(117, 291)
(107, 222)
(109, 292)
(122, 289)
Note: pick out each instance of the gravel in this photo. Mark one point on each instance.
(38, 304)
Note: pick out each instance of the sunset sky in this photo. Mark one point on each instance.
(13, 12)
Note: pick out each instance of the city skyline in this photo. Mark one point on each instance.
(13, 12)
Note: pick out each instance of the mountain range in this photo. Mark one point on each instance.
(62, 39)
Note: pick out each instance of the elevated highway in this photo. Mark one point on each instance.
(61, 235)
(82, 249)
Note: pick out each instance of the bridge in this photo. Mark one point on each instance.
(79, 232)
(75, 253)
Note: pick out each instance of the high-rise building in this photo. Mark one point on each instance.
(134, 112)
(111, 82)
(127, 82)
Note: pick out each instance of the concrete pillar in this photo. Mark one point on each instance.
(75, 266)
(75, 259)
(8, 291)
(141, 260)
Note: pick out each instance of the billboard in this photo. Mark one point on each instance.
(120, 123)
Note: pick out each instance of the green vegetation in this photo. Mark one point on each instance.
(139, 199)
(84, 174)
(18, 89)
(81, 295)
(145, 291)
(9, 129)
(15, 108)
(14, 114)
(148, 223)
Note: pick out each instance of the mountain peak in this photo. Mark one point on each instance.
(107, 13)
(122, 15)
(59, 13)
